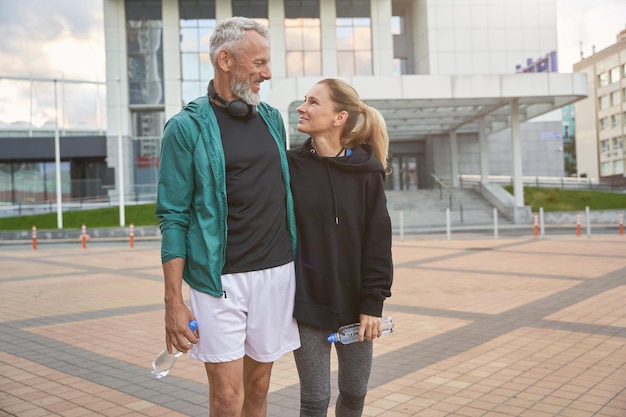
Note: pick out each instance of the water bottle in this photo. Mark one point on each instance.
(350, 332)
(164, 362)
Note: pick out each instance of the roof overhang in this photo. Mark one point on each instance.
(420, 106)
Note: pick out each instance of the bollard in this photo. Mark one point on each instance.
(621, 224)
(83, 236)
(34, 234)
(578, 224)
(132, 235)
(536, 232)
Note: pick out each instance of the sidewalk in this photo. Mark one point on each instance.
(514, 326)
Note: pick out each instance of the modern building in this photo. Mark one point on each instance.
(600, 118)
(446, 74)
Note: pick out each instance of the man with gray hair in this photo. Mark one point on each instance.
(226, 215)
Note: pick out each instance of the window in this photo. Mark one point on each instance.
(354, 37)
(399, 66)
(254, 9)
(614, 75)
(618, 166)
(606, 168)
(197, 22)
(397, 25)
(615, 120)
(604, 123)
(615, 98)
(303, 41)
(605, 147)
(617, 146)
(603, 102)
(603, 79)
(144, 51)
(147, 127)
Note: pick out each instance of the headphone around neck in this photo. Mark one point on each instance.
(236, 108)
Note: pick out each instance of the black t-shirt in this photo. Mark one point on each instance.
(258, 237)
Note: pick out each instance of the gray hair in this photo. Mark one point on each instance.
(230, 33)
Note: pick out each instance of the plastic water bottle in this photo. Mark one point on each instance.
(164, 362)
(350, 332)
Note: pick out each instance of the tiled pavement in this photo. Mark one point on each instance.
(484, 327)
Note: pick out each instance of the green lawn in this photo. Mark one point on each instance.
(138, 215)
(555, 199)
(551, 199)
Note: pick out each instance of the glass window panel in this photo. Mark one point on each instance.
(363, 63)
(189, 39)
(206, 69)
(312, 63)
(145, 52)
(196, 9)
(344, 39)
(353, 8)
(191, 90)
(313, 38)
(190, 68)
(253, 9)
(148, 123)
(397, 25)
(345, 64)
(204, 36)
(293, 39)
(294, 64)
(143, 10)
(362, 38)
(302, 8)
(362, 21)
(344, 22)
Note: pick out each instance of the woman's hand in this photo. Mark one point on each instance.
(370, 327)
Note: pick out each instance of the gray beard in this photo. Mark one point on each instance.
(242, 90)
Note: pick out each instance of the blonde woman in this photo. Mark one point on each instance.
(343, 264)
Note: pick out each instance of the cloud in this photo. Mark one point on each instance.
(33, 32)
(585, 24)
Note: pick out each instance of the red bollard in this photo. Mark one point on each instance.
(34, 234)
(536, 233)
(621, 224)
(132, 235)
(578, 224)
(83, 236)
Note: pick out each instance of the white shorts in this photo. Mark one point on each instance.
(253, 318)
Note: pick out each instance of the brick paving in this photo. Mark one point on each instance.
(515, 326)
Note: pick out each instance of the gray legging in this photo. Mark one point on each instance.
(313, 363)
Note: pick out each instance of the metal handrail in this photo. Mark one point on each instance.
(451, 196)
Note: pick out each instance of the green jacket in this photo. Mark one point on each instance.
(191, 197)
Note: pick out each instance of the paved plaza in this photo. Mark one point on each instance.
(516, 326)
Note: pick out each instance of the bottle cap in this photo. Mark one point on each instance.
(333, 338)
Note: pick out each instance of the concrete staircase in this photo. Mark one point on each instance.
(425, 209)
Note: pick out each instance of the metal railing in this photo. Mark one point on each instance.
(572, 183)
(451, 197)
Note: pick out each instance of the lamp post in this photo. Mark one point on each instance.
(120, 156)
(57, 159)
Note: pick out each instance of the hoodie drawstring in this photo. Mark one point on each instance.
(332, 189)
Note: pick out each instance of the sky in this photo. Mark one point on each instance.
(65, 39)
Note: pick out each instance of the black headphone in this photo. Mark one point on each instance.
(236, 108)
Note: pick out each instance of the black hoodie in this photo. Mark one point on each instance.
(343, 263)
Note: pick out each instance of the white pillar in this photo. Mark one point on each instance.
(484, 151)
(328, 16)
(454, 159)
(518, 184)
(382, 39)
(278, 51)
